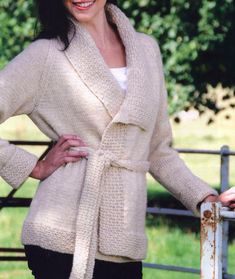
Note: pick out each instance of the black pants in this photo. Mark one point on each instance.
(47, 264)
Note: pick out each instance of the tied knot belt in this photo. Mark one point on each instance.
(88, 209)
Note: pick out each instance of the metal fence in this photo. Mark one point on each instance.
(224, 153)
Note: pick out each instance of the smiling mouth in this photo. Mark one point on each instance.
(83, 5)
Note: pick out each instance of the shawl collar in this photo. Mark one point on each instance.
(131, 107)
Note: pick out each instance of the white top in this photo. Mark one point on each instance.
(121, 75)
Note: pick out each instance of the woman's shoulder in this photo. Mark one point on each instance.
(37, 47)
(149, 42)
(30, 60)
(34, 52)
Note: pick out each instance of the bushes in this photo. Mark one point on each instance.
(197, 43)
(17, 23)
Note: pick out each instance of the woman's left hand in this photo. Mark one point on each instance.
(226, 198)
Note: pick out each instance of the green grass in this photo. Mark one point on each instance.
(171, 241)
(15, 271)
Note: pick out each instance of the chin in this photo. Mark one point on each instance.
(85, 10)
(83, 18)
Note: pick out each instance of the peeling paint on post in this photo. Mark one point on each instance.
(211, 241)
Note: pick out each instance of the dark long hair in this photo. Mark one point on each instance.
(53, 21)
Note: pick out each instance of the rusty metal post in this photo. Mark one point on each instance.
(211, 241)
(224, 184)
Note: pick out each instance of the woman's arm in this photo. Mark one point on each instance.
(20, 86)
(166, 166)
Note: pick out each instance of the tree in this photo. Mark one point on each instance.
(197, 43)
(196, 39)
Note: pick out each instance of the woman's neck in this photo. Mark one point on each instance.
(101, 32)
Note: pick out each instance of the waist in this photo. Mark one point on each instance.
(110, 159)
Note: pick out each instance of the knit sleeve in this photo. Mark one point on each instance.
(165, 164)
(19, 91)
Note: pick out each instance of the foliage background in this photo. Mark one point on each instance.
(196, 39)
(197, 43)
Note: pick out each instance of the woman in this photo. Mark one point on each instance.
(95, 87)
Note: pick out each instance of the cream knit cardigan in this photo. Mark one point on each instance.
(99, 202)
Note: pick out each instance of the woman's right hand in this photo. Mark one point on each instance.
(58, 156)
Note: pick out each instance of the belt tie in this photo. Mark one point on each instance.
(87, 218)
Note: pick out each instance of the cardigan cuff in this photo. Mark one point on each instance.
(18, 167)
(198, 207)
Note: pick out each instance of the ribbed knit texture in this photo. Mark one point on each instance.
(99, 202)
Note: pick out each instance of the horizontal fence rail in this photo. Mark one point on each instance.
(224, 153)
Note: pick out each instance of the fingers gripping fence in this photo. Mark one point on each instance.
(215, 222)
(213, 217)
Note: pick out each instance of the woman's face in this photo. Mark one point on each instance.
(85, 11)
